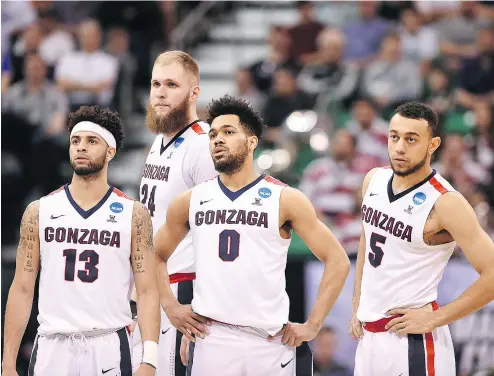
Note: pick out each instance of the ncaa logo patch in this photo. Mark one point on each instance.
(116, 207)
(178, 141)
(419, 198)
(264, 192)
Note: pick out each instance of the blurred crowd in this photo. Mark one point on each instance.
(365, 59)
(57, 56)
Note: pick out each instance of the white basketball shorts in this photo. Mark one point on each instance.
(233, 351)
(75, 355)
(387, 354)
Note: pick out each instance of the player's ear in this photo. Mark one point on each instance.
(194, 93)
(434, 145)
(253, 142)
(110, 153)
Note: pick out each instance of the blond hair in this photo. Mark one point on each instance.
(188, 63)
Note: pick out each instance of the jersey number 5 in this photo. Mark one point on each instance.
(229, 245)
(150, 202)
(376, 256)
(89, 273)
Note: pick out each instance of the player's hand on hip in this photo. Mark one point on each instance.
(184, 350)
(356, 327)
(188, 322)
(294, 334)
(145, 370)
(413, 321)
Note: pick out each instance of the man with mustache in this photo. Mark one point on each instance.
(412, 220)
(88, 241)
(179, 159)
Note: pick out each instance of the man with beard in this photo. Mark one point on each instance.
(87, 239)
(179, 159)
(412, 220)
(241, 224)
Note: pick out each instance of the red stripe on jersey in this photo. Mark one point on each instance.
(58, 190)
(197, 128)
(270, 179)
(430, 353)
(119, 193)
(439, 187)
(181, 277)
(386, 167)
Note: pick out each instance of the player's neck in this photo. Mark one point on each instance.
(88, 191)
(191, 116)
(239, 179)
(401, 183)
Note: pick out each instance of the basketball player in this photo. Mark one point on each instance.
(87, 239)
(241, 225)
(412, 221)
(178, 160)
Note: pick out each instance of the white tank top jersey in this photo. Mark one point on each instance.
(240, 254)
(85, 269)
(164, 177)
(400, 269)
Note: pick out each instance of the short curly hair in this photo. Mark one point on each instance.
(251, 120)
(102, 116)
(419, 111)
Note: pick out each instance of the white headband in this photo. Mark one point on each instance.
(95, 128)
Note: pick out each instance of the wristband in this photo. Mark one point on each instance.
(150, 353)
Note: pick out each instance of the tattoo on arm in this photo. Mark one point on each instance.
(28, 237)
(143, 228)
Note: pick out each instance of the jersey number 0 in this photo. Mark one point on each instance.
(229, 245)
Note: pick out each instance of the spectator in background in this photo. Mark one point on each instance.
(278, 57)
(118, 47)
(6, 72)
(38, 102)
(457, 165)
(389, 79)
(285, 98)
(418, 43)
(31, 41)
(304, 34)
(371, 133)
(330, 182)
(476, 77)
(56, 41)
(458, 30)
(393, 10)
(364, 37)
(330, 74)
(439, 96)
(484, 135)
(88, 76)
(323, 348)
(247, 90)
(432, 10)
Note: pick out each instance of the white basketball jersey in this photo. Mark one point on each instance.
(85, 269)
(239, 253)
(400, 269)
(162, 180)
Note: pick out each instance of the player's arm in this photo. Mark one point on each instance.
(297, 210)
(21, 292)
(143, 266)
(355, 325)
(166, 241)
(458, 218)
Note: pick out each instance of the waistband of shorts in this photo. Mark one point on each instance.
(87, 334)
(379, 326)
(247, 329)
(182, 277)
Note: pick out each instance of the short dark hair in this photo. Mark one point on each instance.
(227, 105)
(301, 4)
(419, 111)
(102, 116)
